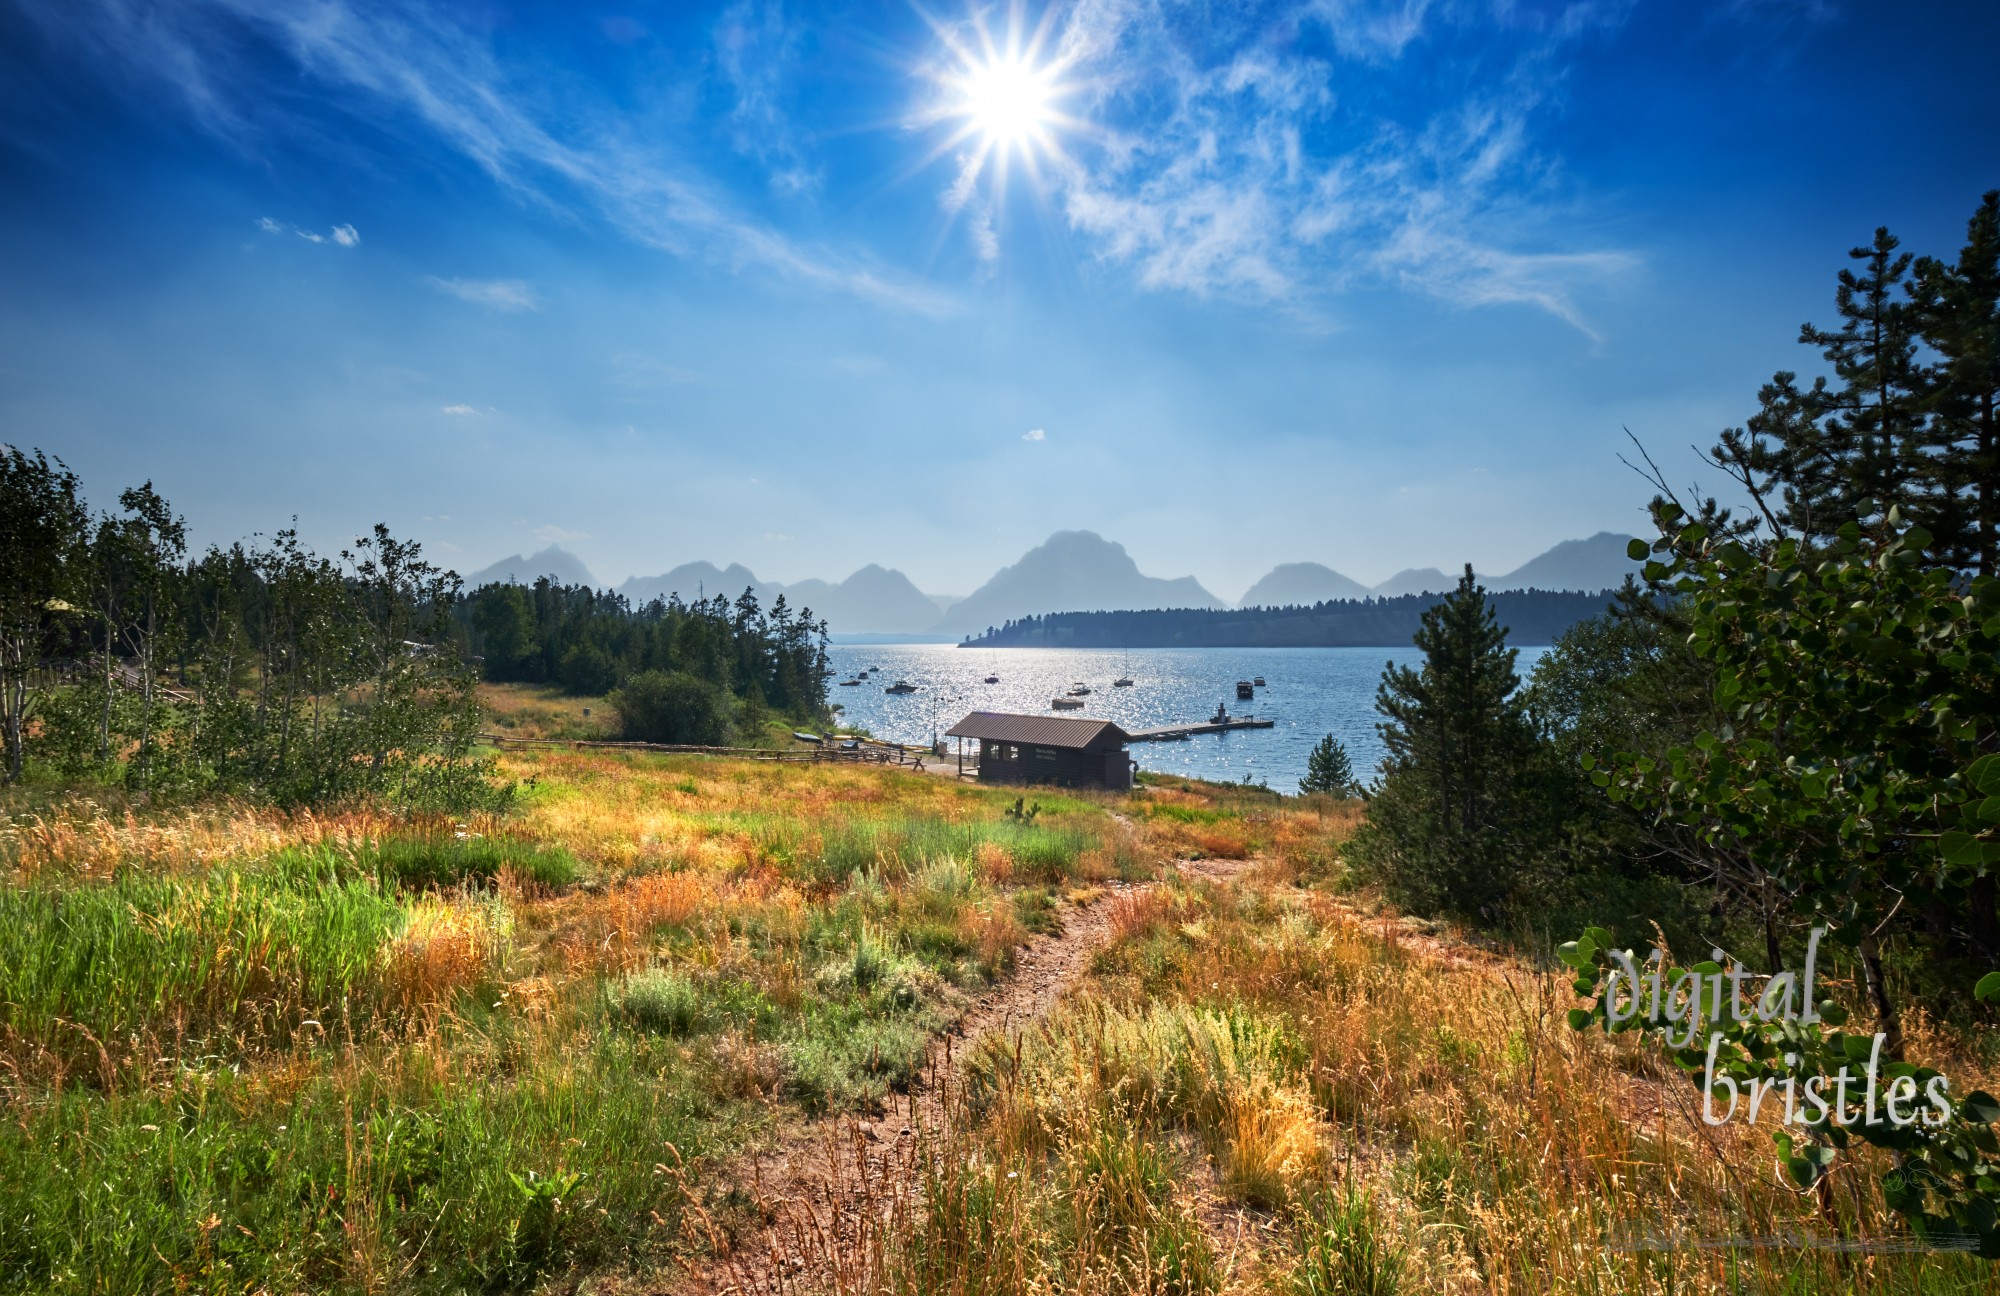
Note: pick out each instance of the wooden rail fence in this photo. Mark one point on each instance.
(867, 752)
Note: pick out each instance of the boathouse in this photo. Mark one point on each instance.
(1068, 751)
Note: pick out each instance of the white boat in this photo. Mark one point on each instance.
(901, 686)
(1079, 689)
(1066, 704)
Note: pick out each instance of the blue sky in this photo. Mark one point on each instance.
(1369, 284)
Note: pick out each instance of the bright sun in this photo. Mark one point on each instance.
(1008, 101)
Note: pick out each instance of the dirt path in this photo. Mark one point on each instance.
(826, 1183)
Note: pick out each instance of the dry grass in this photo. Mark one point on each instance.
(1390, 1112)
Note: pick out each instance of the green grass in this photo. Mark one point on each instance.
(828, 854)
(440, 861)
(666, 1003)
(92, 971)
(443, 1177)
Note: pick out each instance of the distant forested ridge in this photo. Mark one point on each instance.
(1531, 617)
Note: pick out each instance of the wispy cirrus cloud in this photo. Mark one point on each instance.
(756, 49)
(1286, 151)
(417, 67)
(510, 295)
(340, 235)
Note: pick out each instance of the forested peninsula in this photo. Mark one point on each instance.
(1531, 617)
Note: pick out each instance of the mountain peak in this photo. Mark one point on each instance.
(554, 562)
(1071, 571)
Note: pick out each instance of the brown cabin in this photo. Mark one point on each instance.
(1068, 751)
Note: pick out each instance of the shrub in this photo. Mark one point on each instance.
(666, 1003)
(672, 707)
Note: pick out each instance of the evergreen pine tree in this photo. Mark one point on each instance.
(1958, 306)
(1460, 775)
(1819, 457)
(1329, 770)
(1872, 416)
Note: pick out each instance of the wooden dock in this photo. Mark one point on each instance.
(1170, 732)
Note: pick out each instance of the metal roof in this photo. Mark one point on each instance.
(1046, 731)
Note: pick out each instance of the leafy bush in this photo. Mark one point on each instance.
(672, 707)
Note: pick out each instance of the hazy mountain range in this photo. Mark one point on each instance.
(1072, 571)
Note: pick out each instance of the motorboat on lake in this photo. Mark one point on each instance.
(1259, 681)
(992, 679)
(1066, 704)
(1079, 689)
(901, 686)
(1245, 690)
(849, 683)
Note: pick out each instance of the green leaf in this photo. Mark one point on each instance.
(1980, 1106)
(1587, 760)
(1984, 774)
(1579, 1019)
(1571, 952)
(1637, 550)
(1988, 987)
(1961, 850)
(1832, 1014)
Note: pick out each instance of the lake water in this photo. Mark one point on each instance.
(1309, 692)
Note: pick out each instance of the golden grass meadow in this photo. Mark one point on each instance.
(247, 1051)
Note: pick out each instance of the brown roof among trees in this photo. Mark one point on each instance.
(1045, 731)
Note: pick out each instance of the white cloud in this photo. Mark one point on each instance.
(1035, 434)
(560, 145)
(755, 51)
(550, 533)
(344, 235)
(494, 294)
(458, 409)
(776, 537)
